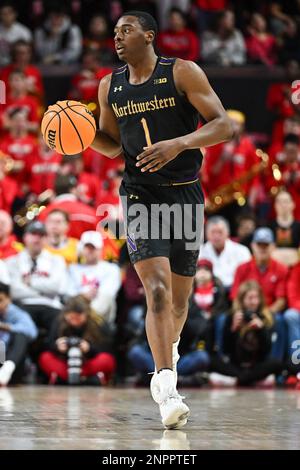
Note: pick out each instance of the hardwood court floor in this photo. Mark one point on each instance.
(41, 417)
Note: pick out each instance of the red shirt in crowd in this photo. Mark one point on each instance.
(10, 247)
(99, 165)
(290, 178)
(212, 5)
(82, 216)
(204, 296)
(280, 103)
(241, 158)
(85, 84)
(262, 50)
(29, 104)
(293, 291)
(8, 192)
(183, 44)
(88, 187)
(21, 149)
(33, 75)
(42, 168)
(272, 280)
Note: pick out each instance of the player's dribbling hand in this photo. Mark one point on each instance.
(158, 155)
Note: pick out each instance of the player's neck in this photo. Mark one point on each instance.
(142, 69)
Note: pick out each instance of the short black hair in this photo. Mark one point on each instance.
(146, 20)
(64, 183)
(9, 4)
(178, 11)
(291, 139)
(4, 289)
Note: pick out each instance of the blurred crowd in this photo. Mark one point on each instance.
(72, 309)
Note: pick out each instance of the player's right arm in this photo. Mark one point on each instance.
(107, 140)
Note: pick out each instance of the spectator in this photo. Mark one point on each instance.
(289, 171)
(21, 147)
(58, 41)
(22, 60)
(271, 276)
(9, 246)
(87, 183)
(10, 31)
(110, 194)
(178, 40)
(209, 301)
(164, 6)
(101, 166)
(19, 99)
(289, 42)
(16, 330)
(286, 230)
(233, 161)
(92, 344)
(224, 254)
(247, 342)
(58, 243)
(96, 279)
(208, 296)
(279, 100)
(246, 224)
(82, 216)
(99, 40)
(290, 125)
(206, 12)
(261, 46)
(224, 45)
(39, 277)
(8, 186)
(292, 314)
(279, 17)
(85, 83)
(42, 168)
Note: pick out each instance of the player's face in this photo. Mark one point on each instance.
(130, 40)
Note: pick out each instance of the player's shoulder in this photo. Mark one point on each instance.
(188, 75)
(186, 66)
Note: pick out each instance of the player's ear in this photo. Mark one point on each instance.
(150, 37)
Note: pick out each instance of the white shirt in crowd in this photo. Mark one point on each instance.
(8, 36)
(40, 284)
(226, 263)
(105, 277)
(4, 275)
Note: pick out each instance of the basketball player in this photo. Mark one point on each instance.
(149, 109)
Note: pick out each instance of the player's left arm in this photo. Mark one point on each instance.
(191, 81)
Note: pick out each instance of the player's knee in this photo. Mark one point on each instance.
(180, 310)
(158, 297)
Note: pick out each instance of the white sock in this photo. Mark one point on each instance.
(175, 355)
(6, 372)
(166, 380)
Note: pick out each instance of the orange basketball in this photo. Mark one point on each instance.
(68, 127)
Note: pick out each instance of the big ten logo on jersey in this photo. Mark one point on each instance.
(158, 81)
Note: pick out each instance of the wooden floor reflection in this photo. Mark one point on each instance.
(36, 417)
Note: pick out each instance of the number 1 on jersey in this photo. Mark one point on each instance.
(146, 130)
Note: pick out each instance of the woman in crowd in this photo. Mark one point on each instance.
(78, 347)
(246, 342)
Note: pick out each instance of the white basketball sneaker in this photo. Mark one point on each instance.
(154, 386)
(173, 411)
